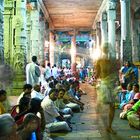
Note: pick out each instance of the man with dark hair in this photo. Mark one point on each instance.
(32, 72)
(34, 59)
(54, 121)
(27, 88)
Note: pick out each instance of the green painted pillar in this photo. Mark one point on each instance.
(15, 40)
(8, 29)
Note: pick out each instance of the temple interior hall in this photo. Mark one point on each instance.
(70, 34)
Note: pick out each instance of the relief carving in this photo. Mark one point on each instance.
(19, 60)
(112, 4)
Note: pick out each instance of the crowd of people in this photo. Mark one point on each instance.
(48, 101)
(52, 95)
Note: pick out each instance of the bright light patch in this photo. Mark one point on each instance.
(96, 54)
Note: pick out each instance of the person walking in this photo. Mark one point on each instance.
(106, 73)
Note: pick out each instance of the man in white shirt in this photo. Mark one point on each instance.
(52, 115)
(32, 72)
(36, 93)
(48, 72)
(55, 71)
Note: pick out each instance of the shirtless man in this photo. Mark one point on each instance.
(106, 72)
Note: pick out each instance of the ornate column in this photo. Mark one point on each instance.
(126, 47)
(51, 49)
(19, 36)
(73, 52)
(41, 37)
(46, 48)
(98, 35)
(104, 33)
(8, 30)
(111, 13)
(1, 32)
(35, 32)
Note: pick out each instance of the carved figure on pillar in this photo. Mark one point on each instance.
(104, 16)
(112, 4)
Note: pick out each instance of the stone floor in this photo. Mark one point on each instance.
(86, 125)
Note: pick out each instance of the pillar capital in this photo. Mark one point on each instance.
(111, 5)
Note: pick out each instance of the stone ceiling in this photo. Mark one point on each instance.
(66, 14)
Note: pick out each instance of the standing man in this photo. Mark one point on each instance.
(32, 72)
(106, 72)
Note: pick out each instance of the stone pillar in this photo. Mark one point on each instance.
(111, 13)
(8, 30)
(98, 35)
(126, 47)
(51, 49)
(34, 31)
(19, 37)
(1, 32)
(73, 52)
(46, 48)
(41, 37)
(104, 34)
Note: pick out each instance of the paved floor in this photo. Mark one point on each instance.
(86, 125)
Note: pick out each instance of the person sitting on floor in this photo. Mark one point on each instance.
(27, 131)
(54, 121)
(8, 128)
(27, 88)
(59, 103)
(133, 115)
(36, 92)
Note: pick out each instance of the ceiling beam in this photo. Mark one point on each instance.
(71, 29)
(99, 13)
(46, 13)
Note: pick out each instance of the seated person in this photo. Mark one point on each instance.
(36, 92)
(127, 96)
(136, 97)
(8, 128)
(60, 105)
(133, 115)
(27, 88)
(54, 121)
(28, 129)
(21, 107)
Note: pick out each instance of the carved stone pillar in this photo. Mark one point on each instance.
(73, 52)
(42, 38)
(104, 33)
(1, 32)
(111, 13)
(98, 35)
(19, 37)
(8, 30)
(51, 49)
(126, 47)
